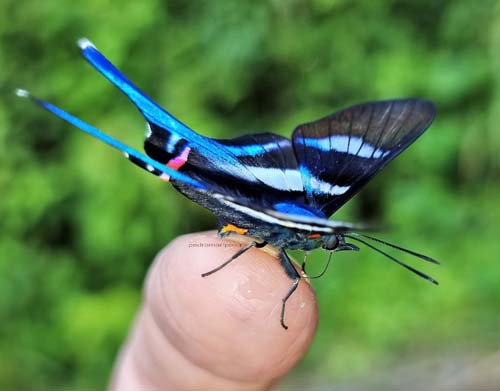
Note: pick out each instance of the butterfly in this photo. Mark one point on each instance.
(276, 190)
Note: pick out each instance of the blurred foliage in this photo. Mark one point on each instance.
(69, 286)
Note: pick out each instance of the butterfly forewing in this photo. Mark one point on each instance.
(339, 154)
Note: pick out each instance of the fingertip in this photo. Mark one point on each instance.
(229, 322)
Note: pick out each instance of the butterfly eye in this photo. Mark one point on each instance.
(330, 242)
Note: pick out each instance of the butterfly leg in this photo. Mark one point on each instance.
(295, 276)
(324, 269)
(236, 255)
(303, 266)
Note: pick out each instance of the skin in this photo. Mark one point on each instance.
(219, 332)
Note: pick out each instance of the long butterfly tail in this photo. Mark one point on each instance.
(151, 110)
(154, 113)
(133, 155)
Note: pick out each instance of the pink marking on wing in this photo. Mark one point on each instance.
(176, 163)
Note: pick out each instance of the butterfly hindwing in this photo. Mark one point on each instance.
(270, 158)
(157, 117)
(340, 153)
(244, 167)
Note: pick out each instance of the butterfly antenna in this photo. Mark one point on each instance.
(417, 272)
(405, 250)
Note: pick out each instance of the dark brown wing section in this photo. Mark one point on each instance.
(340, 153)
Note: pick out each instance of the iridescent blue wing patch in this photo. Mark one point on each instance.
(340, 153)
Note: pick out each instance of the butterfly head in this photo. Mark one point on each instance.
(336, 242)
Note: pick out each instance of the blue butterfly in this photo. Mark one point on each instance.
(276, 190)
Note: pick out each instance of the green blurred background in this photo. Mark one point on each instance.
(79, 226)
